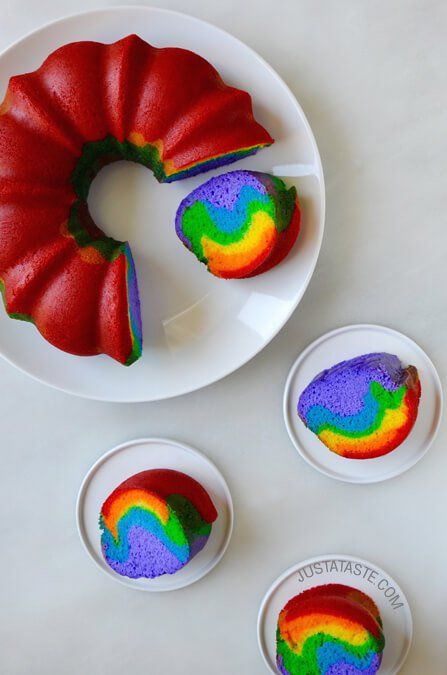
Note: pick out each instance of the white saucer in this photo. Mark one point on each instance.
(154, 453)
(197, 328)
(341, 569)
(345, 343)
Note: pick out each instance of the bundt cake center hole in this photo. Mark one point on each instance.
(120, 198)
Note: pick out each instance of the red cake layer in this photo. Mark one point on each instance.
(87, 90)
(336, 600)
(283, 245)
(169, 102)
(166, 482)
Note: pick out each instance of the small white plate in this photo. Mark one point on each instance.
(346, 343)
(154, 453)
(340, 569)
(196, 328)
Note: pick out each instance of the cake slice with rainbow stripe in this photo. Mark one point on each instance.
(154, 523)
(364, 407)
(331, 629)
(240, 223)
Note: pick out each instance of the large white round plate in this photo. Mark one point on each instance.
(154, 453)
(341, 569)
(346, 343)
(197, 328)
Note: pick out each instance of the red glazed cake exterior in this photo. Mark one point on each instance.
(90, 104)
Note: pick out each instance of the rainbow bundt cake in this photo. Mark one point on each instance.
(332, 630)
(364, 407)
(154, 523)
(240, 223)
(90, 104)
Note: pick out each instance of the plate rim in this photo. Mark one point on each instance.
(302, 356)
(309, 561)
(322, 202)
(115, 450)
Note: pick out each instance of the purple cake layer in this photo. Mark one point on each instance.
(197, 545)
(344, 385)
(223, 191)
(280, 664)
(349, 669)
(148, 557)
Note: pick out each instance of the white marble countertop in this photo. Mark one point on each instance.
(371, 79)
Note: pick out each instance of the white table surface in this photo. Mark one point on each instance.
(371, 78)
